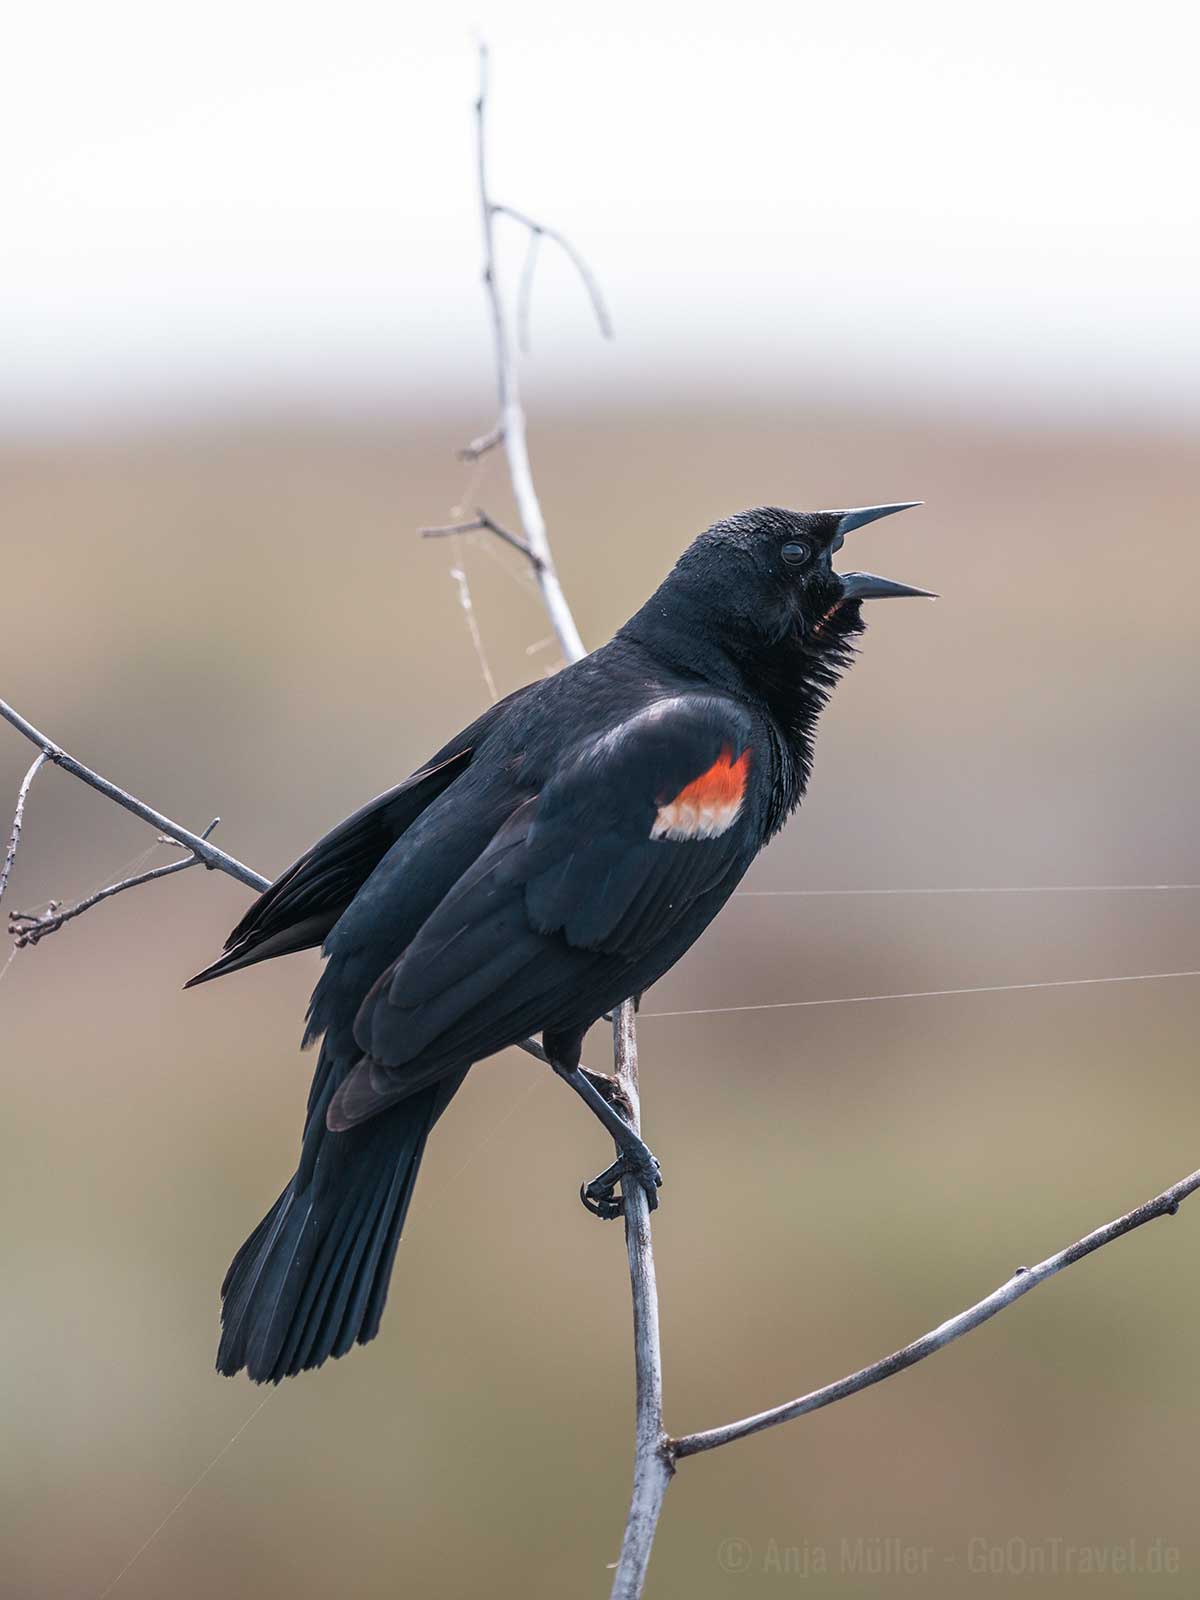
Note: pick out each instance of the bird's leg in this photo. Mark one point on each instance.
(635, 1160)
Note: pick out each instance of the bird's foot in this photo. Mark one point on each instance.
(637, 1164)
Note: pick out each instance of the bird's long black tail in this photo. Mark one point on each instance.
(312, 1278)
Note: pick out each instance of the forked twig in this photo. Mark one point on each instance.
(482, 523)
(510, 425)
(209, 853)
(539, 230)
(28, 927)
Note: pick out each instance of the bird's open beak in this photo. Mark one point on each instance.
(865, 585)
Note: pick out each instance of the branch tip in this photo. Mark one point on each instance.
(539, 230)
(18, 821)
(476, 448)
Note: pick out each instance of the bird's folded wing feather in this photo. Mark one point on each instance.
(298, 910)
(586, 880)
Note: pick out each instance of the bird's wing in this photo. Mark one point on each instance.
(299, 909)
(642, 821)
(590, 880)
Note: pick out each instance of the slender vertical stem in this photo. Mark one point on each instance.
(511, 426)
(652, 1463)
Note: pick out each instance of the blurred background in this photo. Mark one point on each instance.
(861, 254)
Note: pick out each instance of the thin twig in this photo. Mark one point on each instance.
(480, 523)
(14, 838)
(459, 574)
(28, 928)
(212, 858)
(480, 447)
(539, 230)
(1022, 1281)
(511, 423)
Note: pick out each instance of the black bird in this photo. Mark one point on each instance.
(555, 858)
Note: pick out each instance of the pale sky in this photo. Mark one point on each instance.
(237, 204)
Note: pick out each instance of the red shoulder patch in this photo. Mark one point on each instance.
(709, 804)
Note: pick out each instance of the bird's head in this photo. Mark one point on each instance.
(761, 591)
(776, 569)
(766, 578)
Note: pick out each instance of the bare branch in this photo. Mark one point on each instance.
(14, 838)
(214, 859)
(539, 230)
(654, 1452)
(512, 414)
(1022, 1281)
(27, 927)
(481, 523)
(653, 1464)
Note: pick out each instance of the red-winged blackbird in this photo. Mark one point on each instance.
(555, 858)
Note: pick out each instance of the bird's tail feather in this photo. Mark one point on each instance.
(312, 1278)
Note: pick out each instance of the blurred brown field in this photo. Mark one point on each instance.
(241, 620)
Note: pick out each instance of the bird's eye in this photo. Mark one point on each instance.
(795, 554)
